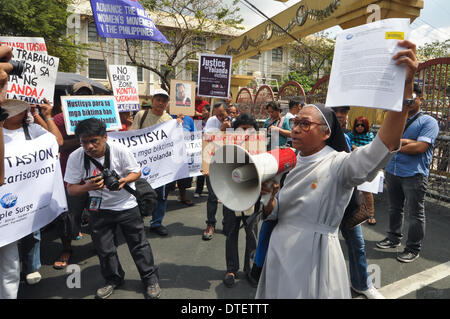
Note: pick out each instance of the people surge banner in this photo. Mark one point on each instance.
(214, 75)
(78, 108)
(160, 151)
(125, 87)
(125, 19)
(41, 69)
(33, 194)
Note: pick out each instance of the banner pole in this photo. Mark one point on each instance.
(104, 60)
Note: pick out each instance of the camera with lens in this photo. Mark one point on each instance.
(18, 68)
(110, 179)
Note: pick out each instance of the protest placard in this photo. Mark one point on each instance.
(40, 71)
(253, 142)
(160, 151)
(125, 87)
(363, 71)
(33, 194)
(125, 19)
(78, 108)
(214, 75)
(193, 141)
(182, 97)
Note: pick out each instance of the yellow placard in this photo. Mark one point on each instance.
(395, 35)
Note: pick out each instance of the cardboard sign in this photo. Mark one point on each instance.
(253, 142)
(78, 108)
(41, 69)
(125, 87)
(182, 97)
(214, 75)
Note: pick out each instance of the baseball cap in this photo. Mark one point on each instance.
(77, 86)
(160, 92)
(14, 107)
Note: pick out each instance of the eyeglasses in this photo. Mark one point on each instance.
(359, 124)
(304, 124)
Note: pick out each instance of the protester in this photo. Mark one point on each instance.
(126, 118)
(16, 128)
(69, 224)
(111, 207)
(278, 129)
(354, 239)
(201, 109)
(145, 118)
(295, 105)
(360, 136)
(184, 183)
(232, 221)
(315, 195)
(406, 180)
(9, 254)
(218, 123)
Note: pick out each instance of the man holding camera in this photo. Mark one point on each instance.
(90, 169)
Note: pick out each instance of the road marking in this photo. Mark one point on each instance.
(415, 282)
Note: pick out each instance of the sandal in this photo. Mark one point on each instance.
(371, 220)
(63, 260)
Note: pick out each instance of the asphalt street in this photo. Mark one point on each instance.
(191, 268)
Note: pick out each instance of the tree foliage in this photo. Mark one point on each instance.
(46, 19)
(435, 49)
(190, 19)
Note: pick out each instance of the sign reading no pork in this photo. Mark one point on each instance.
(125, 87)
(214, 75)
(78, 108)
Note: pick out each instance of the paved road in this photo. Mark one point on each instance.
(191, 268)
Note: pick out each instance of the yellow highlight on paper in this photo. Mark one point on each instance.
(395, 35)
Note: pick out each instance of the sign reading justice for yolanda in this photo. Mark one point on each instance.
(78, 108)
(214, 75)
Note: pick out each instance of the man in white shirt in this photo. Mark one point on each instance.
(111, 206)
(219, 122)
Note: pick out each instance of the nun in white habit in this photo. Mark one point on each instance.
(304, 258)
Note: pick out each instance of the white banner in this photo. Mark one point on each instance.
(41, 69)
(125, 87)
(159, 149)
(194, 142)
(33, 194)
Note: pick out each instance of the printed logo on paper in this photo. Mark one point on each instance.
(8, 200)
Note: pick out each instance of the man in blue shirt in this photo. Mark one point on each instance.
(406, 180)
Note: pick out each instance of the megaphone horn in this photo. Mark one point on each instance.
(236, 176)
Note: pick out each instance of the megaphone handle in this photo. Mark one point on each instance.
(265, 198)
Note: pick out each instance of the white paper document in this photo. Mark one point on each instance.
(375, 186)
(363, 71)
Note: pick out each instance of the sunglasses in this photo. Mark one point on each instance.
(304, 124)
(359, 124)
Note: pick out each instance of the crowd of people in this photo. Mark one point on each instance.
(295, 251)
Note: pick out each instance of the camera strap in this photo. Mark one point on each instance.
(87, 158)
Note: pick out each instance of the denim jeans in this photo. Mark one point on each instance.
(30, 252)
(409, 191)
(357, 257)
(211, 205)
(160, 209)
(199, 184)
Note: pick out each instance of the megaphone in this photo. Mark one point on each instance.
(236, 176)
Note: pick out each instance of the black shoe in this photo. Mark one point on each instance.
(228, 280)
(153, 291)
(106, 291)
(253, 275)
(407, 256)
(387, 243)
(161, 230)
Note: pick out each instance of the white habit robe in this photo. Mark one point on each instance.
(304, 258)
